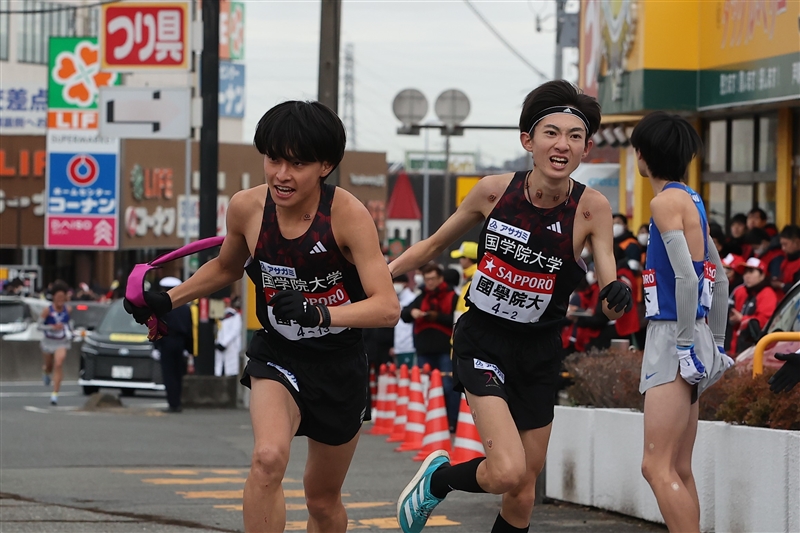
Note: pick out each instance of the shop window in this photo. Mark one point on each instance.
(767, 147)
(742, 142)
(716, 146)
(5, 5)
(741, 199)
(43, 20)
(716, 192)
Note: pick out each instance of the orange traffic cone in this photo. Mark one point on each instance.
(437, 429)
(401, 408)
(379, 420)
(391, 400)
(415, 415)
(467, 445)
(425, 378)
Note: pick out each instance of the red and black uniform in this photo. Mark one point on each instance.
(757, 303)
(790, 270)
(508, 342)
(325, 369)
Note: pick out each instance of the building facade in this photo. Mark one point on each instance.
(731, 67)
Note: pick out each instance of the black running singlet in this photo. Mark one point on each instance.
(312, 264)
(527, 268)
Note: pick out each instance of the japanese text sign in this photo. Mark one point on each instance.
(82, 191)
(145, 36)
(231, 30)
(23, 108)
(231, 89)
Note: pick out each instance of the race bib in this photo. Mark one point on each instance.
(517, 295)
(709, 275)
(650, 293)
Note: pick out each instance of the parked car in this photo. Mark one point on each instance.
(785, 318)
(15, 315)
(118, 355)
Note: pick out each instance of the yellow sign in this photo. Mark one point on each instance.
(732, 31)
(127, 337)
(464, 184)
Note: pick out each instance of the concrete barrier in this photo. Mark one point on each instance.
(22, 361)
(748, 479)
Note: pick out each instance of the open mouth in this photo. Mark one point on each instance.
(559, 162)
(283, 191)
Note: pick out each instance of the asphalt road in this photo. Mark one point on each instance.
(135, 469)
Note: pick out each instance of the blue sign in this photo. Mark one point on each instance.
(231, 89)
(23, 109)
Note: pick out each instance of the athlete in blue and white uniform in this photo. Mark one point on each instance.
(56, 338)
(686, 292)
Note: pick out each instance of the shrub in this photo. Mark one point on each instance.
(605, 379)
(610, 379)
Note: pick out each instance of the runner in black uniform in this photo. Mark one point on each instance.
(506, 346)
(313, 254)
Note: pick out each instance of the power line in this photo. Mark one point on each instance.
(506, 43)
(59, 7)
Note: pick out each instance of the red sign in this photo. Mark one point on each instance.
(145, 36)
(85, 233)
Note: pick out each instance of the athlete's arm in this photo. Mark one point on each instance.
(356, 235)
(602, 239)
(667, 214)
(718, 314)
(228, 266)
(473, 209)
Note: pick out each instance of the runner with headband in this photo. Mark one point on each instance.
(312, 251)
(507, 346)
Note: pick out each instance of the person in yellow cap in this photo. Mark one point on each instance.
(467, 255)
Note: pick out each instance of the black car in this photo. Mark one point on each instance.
(118, 355)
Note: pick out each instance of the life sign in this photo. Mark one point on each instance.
(145, 36)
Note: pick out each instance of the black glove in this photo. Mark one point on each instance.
(292, 305)
(788, 375)
(618, 296)
(158, 303)
(219, 347)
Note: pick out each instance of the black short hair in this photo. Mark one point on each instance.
(555, 93)
(620, 215)
(667, 143)
(715, 231)
(758, 211)
(301, 131)
(432, 267)
(756, 236)
(59, 286)
(738, 218)
(790, 231)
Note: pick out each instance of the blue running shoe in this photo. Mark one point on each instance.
(416, 501)
(46, 379)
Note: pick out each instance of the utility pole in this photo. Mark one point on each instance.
(349, 104)
(559, 67)
(328, 84)
(209, 164)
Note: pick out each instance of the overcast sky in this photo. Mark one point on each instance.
(426, 45)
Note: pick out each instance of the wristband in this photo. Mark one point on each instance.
(326, 316)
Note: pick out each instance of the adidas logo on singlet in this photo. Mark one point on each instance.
(318, 248)
(555, 227)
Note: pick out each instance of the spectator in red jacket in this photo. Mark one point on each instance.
(790, 265)
(758, 302)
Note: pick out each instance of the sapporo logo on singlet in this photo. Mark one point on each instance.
(328, 290)
(511, 293)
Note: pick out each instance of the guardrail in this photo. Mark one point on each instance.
(766, 340)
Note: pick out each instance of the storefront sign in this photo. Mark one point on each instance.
(23, 108)
(231, 89)
(22, 172)
(74, 82)
(378, 180)
(231, 30)
(145, 36)
(82, 191)
(460, 163)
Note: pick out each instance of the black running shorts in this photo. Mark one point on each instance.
(523, 369)
(331, 389)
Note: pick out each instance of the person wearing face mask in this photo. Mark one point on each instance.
(627, 242)
(403, 343)
(755, 300)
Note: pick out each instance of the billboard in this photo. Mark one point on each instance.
(23, 108)
(231, 89)
(82, 189)
(74, 81)
(145, 36)
(231, 30)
